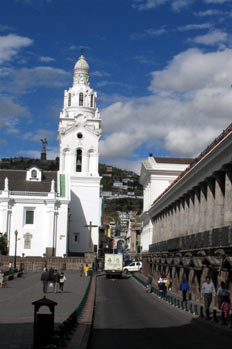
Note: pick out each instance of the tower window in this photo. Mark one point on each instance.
(69, 99)
(81, 98)
(91, 102)
(79, 161)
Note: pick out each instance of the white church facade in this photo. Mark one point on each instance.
(49, 212)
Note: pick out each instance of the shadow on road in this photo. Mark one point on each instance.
(196, 335)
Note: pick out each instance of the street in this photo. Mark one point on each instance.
(126, 316)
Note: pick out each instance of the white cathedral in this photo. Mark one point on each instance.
(48, 212)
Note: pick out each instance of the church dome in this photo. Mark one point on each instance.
(81, 65)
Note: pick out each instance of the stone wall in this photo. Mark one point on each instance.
(36, 264)
(195, 257)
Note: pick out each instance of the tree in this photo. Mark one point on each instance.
(3, 244)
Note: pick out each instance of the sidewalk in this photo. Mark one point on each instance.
(17, 311)
(189, 306)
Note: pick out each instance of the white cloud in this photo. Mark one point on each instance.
(212, 12)
(176, 5)
(190, 104)
(10, 45)
(216, 1)
(194, 27)
(10, 113)
(99, 74)
(148, 4)
(46, 59)
(39, 134)
(212, 38)
(52, 153)
(26, 80)
(151, 32)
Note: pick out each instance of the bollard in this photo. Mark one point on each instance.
(215, 316)
(174, 302)
(182, 305)
(201, 312)
(171, 300)
(190, 308)
(195, 310)
(185, 306)
(178, 303)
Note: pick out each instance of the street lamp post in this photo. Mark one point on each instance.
(16, 239)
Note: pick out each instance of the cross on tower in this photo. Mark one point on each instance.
(90, 226)
(82, 51)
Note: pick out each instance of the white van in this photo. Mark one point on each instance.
(134, 266)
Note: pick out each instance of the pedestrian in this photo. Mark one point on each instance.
(81, 269)
(225, 308)
(45, 279)
(1, 278)
(61, 282)
(184, 287)
(162, 286)
(50, 277)
(208, 292)
(149, 284)
(86, 270)
(56, 281)
(221, 292)
(10, 267)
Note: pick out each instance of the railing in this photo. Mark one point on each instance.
(213, 238)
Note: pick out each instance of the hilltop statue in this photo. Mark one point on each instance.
(43, 153)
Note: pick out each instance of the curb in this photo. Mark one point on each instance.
(80, 337)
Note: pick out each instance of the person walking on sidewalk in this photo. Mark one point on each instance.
(61, 282)
(184, 287)
(45, 279)
(208, 292)
(149, 284)
(86, 270)
(81, 269)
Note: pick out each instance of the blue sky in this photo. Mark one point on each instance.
(162, 70)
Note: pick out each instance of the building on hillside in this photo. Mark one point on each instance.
(157, 173)
(51, 211)
(133, 236)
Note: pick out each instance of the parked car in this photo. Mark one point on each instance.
(134, 266)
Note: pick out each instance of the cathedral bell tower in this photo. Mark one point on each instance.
(79, 134)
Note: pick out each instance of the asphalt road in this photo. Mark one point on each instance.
(128, 317)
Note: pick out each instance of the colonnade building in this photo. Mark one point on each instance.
(192, 220)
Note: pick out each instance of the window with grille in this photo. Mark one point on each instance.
(29, 217)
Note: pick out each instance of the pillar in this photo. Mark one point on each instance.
(196, 210)
(219, 200)
(203, 206)
(228, 199)
(210, 203)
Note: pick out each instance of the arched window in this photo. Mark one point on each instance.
(33, 174)
(91, 102)
(69, 99)
(79, 161)
(81, 98)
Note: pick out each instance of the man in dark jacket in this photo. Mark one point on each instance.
(45, 279)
